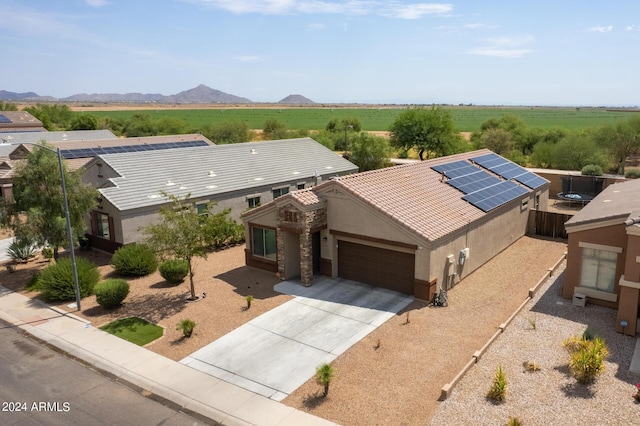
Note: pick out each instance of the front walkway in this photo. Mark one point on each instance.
(278, 351)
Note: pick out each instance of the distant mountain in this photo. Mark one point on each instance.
(13, 96)
(198, 95)
(296, 99)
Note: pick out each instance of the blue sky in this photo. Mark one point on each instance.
(366, 51)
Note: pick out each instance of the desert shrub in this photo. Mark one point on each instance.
(498, 390)
(134, 260)
(592, 170)
(56, 281)
(174, 270)
(186, 326)
(22, 250)
(32, 284)
(589, 334)
(110, 293)
(632, 174)
(47, 253)
(586, 358)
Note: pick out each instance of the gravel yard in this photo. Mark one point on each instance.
(551, 395)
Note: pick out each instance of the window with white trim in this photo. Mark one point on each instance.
(263, 242)
(598, 269)
(203, 209)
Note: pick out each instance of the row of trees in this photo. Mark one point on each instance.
(426, 132)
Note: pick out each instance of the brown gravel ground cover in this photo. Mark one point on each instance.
(393, 376)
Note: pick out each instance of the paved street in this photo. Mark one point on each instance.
(40, 386)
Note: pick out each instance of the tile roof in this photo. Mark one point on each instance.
(56, 137)
(617, 201)
(307, 197)
(217, 169)
(413, 195)
(416, 196)
(19, 119)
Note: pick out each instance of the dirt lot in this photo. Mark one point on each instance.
(397, 383)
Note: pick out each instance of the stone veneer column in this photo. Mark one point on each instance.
(306, 260)
(280, 250)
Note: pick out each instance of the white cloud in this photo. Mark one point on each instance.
(500, 53)
(632, 28)
(606, 29)
(97, 3)
(505, 47)
(395, 8)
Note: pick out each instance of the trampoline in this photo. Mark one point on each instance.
(575, 197)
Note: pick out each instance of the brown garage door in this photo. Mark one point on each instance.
(376, 266)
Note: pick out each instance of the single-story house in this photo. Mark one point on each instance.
(406, 228)
(19, 121)
(78, 147)
(236, 177)
(603, 257)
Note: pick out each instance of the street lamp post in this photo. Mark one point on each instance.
(76, 285)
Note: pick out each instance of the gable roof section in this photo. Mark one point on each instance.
(216, 169)
(416, 196)
(617, 202)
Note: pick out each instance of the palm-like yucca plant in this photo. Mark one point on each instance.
(324, 375)
(22, 250)
(587, 359)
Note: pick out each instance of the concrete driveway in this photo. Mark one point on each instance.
(277, 352)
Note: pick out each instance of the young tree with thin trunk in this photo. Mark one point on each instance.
(184, 233)
(324, 375)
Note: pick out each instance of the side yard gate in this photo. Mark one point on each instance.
(547, 224)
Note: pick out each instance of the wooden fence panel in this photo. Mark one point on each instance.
(547, 224)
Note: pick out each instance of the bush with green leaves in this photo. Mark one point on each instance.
(56, 281)
(174, 270)
(632, 174)
(592, 170)
(110, 293)
(586, 357)
(22, 250)
(135, 260)
(186, 326)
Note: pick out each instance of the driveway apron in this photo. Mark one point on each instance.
(277, 352)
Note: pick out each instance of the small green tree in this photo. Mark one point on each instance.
(183, 233)
(84, 122)
(228, 132)
(37, 191)
(369, 152)
(274, 129)
(430, 131)
(497, 140)
(324, 375)
(6, 106)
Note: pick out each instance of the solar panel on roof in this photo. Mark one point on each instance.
(496, 195)
(4, 119)
(455, 169)
(508, 170)
(474, 181)
(92, 152)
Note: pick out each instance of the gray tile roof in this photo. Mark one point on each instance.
(217, 169)
(51, 137)
(617, 201)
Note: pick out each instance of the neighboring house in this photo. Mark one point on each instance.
(603, 258)
(405, 228)
(78, 147)
(236, 176)
(19, 121)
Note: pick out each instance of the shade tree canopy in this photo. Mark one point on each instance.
(428, 130)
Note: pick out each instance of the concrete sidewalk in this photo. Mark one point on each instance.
(194, 391)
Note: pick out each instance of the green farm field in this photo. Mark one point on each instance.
(467, 119)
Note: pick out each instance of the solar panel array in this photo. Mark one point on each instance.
(508, 170)
(4, 119)
(92, 152)
(482, 189)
